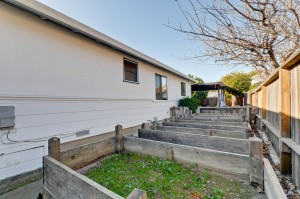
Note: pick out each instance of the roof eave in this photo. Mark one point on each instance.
(47, 13)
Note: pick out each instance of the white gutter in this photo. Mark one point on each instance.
(58, 18)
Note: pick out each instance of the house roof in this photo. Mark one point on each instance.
(49, 14)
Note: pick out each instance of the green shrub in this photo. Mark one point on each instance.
(191, 103)
(200, 95)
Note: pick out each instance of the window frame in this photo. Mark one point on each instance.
(137, 71)
(183, 91)
(161, 93)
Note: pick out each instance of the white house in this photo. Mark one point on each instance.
(63, 77)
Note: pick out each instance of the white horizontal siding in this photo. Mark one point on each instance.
(61, 83)
(48, 119)
(21, 161)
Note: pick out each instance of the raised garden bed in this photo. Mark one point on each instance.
(165, 179)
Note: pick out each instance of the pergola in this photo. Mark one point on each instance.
(220, 87)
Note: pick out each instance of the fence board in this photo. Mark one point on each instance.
(272, 104)
(259, 101)
(295, 121)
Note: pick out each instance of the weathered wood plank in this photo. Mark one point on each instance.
(256, 160)
(233, 145)
(285, 119)
(271, 128)
(273, 155)
(272, 103)
(205, 126)
(292, 144)
(197, 121)
(119, 138)
(224, 162)
(295, 121)
(199, 131)
(86, 153)
(54, 148)
(272, 186)
(216, 118)
(63, 182)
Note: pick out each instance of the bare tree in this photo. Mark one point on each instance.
(258, 33)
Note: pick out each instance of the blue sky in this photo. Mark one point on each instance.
(140, 25)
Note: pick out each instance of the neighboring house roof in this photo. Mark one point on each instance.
(49, 14)
(208, 86)
(216, 86)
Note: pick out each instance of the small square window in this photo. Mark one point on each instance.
(130, 71)
(183, 89)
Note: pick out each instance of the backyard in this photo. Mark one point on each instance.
(166, 179)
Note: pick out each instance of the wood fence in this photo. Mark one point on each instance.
(276, 104)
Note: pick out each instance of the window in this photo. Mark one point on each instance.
(161, 87)
(183, 93)
(130, 71)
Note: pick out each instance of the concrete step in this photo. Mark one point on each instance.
(205, 126)
(212, 132)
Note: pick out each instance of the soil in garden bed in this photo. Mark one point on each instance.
(166, 179)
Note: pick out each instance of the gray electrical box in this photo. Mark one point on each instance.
(7, 117)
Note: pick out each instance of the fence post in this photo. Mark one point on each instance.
(119, 138)
(154, 125)
(54, 148)
(197, 112)
(144, 126)
(180, 111)
(256, 160)
(173, 113)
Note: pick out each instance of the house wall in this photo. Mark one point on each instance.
(61, 83)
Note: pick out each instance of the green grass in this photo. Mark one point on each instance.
(164, 179)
